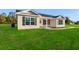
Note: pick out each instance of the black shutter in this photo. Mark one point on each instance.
(23, 21)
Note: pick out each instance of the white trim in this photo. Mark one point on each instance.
(46, 23)
(30, 20)
(26, 11)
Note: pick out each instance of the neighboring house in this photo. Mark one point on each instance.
(30, 19)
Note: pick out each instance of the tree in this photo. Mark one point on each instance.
(0, 19)
(3, 14)
(68, 21)
(77, 22)
(3, 18)
(8, 20)
(13, 18)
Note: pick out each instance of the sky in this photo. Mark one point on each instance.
(73, 14)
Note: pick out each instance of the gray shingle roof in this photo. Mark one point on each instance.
(46, 15)
(33, 12)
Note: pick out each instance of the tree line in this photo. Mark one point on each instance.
(69, 21)
(7, 19)
(11, 18)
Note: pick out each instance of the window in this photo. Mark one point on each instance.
(60, 22)
(32, 21)
(49, 22)
(29, 20)
(44, 22)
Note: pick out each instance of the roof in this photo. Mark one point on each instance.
(18, 10)
(33, 12)
(36, 13)
(46, 15)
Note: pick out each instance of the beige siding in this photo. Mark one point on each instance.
(20, 26)
(63, 25)
(52, 23)
(19, 22)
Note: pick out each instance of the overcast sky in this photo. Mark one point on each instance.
(72, 13)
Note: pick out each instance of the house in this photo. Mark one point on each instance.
(30, 19)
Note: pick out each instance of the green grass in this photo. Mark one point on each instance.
(38, 39)
(72, 25)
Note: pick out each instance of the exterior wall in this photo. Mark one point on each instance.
(63, 25)
(20, 26)
(52, 23)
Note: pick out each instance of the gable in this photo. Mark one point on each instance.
(30, 12)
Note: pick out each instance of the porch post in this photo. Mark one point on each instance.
(46, 23)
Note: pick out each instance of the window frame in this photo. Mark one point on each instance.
(60, 22)
(48, 21)
(30, 20)
(44, 21)
(27, 21)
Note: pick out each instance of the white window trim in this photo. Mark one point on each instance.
(60, 23)
(30, 20)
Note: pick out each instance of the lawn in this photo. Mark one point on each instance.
(38, 39)
(72, 25)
